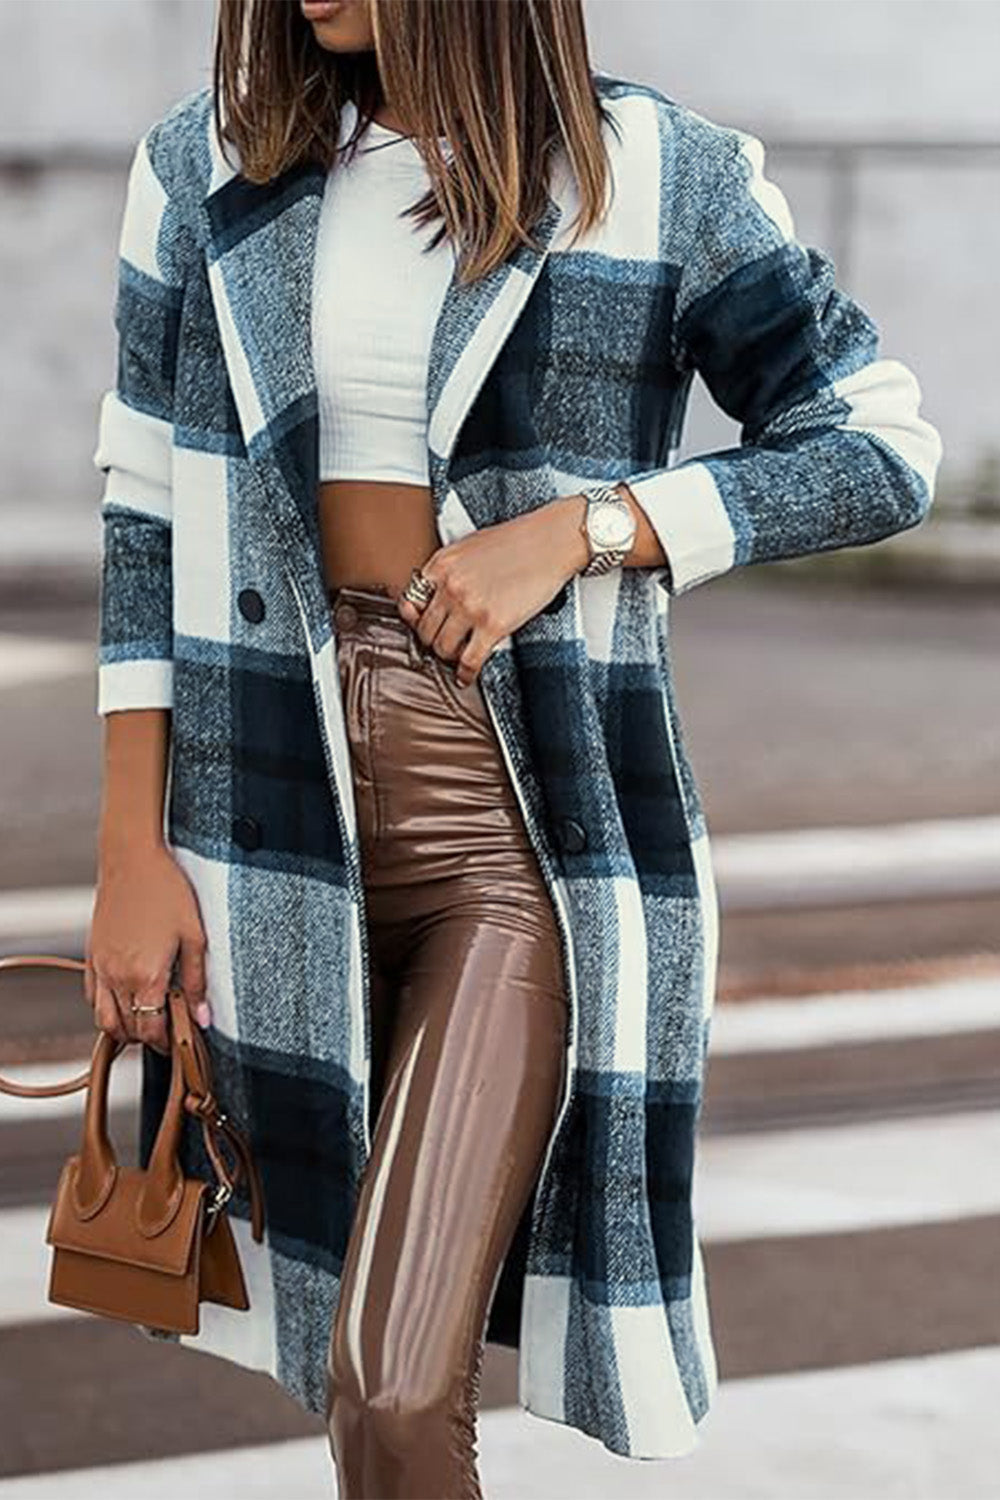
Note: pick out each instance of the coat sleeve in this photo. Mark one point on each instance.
(833, 451)
(135, 435)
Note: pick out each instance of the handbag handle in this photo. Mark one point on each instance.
(190, 1090)
(44, 1090)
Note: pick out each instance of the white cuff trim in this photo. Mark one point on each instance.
(885, 398)
(136, 444)
(685, 510)
(135, 684)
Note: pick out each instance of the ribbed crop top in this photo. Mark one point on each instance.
(376, 296)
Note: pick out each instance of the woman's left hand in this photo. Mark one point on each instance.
(489, 582)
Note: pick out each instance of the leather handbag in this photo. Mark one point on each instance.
(147, 1245)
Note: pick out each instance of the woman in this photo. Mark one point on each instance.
(391, 530)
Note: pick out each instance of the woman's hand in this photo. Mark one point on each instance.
(145, 915)
(489, 582)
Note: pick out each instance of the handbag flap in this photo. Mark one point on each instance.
(113, 1233)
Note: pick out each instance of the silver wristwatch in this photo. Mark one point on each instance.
(609, 527)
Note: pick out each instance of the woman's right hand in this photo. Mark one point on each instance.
(145, 917)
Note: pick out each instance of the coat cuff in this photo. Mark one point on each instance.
(685, 509)
(135, 684)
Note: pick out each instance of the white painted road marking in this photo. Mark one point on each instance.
(940, 1008)
(818, 867)
(816, 1180)
(825, 1179)
(25, 659)
(27, 914)
(850, 866)
(123, 1086)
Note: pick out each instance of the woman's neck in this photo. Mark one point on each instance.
(386, 116)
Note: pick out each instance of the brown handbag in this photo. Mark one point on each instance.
(146, 1246)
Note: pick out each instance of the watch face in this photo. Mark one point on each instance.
(610, 524)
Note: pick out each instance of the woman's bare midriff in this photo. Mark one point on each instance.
(374, 532)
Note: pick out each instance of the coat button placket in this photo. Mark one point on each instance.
(352, 862)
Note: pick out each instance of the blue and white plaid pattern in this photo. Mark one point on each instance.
(565, 365)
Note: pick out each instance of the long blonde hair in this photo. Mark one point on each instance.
(506, 81)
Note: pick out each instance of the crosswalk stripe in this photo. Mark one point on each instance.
(851, 865)
(26, 1262)
(826, 1179)
(940, 1008)
(761, 1185)
(814, 867)
(33, 917)
(123, 1088)
(25, 659)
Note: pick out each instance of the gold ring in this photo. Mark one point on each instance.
(420, 589)
(135, 1009)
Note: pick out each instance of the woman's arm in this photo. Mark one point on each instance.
(135, 430)
(136, 753)
(833, 450)
(146, 913)
(570, 542)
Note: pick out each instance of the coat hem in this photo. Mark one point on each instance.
(588, 1429)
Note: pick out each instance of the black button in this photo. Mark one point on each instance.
(556, 602)
(246, 832)
(572, 835)
(251, 605)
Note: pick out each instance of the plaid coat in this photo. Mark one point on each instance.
(562, 366)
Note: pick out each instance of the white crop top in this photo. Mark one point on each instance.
(376, 296)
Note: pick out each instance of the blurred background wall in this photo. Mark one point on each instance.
(881, 118)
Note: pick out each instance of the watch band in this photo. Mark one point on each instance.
(602, 562)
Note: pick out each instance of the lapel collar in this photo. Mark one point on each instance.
(262, 241)
(262, 247)
(472, 325)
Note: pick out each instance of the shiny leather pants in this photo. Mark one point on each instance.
(468, 1027)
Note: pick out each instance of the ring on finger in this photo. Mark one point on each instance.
(420, 589)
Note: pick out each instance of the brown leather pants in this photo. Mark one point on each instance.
(468, 1017)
